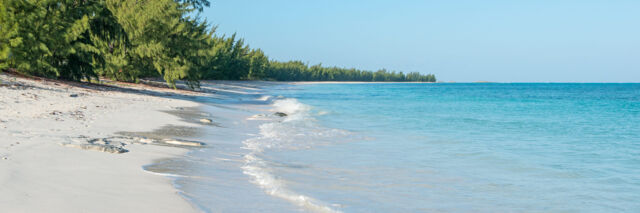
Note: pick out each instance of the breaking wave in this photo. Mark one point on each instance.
(297, 130)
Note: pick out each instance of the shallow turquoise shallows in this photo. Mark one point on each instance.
(470, 147)
(450, 148)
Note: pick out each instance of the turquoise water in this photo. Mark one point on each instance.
(442, 148)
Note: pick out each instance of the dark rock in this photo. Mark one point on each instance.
(281, 114)
(73, 95)
(99, 147)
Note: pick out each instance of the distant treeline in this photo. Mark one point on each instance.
(299, 71)
(127, 40)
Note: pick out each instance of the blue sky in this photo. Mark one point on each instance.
(506, 41)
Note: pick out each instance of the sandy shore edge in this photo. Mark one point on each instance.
(38, 173)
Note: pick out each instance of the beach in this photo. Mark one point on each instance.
(254, 146)
(60, 147)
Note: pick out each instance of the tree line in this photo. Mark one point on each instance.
(299, 71)
(127, 40)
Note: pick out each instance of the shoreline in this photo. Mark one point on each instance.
(60, 147)
(216, 178)
(356, 82)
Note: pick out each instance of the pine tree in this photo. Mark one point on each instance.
(7, 31)
(160, 40)
(51, 37)
(258, 63)
(127, 40)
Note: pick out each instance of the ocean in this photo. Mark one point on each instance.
(414, 147)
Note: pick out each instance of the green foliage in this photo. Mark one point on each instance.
(127, 40)
(194, 4)
(299, 71)
(229, 59)
(158, 39)
(258, 64)
(7, 30)
(111, 41)
(50, 37)
(120, 39)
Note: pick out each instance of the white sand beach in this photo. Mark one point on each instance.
(44, 123)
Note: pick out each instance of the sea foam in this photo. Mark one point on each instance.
(298, 130)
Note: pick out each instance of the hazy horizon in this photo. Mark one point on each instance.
(461, 41)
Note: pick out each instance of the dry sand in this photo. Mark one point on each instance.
(40, 174)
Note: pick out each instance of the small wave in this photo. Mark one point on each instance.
(227, 159)
(165, 174)
(256, 168)
(257, 117)
(298, 130)
(290, 106)
(264, 98)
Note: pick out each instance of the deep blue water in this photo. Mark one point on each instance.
(458, 147)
